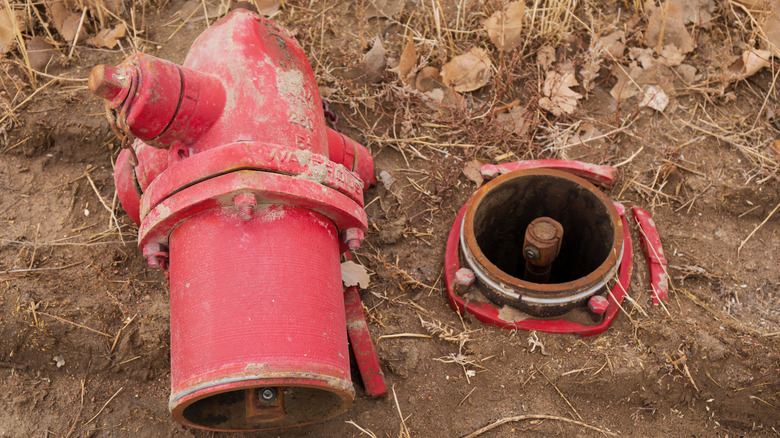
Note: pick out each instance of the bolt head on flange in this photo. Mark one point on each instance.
(598, 304)
(246, 203)
(154, 252)
(353, 237)
(465, 277)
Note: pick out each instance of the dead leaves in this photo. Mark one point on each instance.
(666, 27)
(505, 28)
(40, 53)
(468, 72)
(66, 22)
(750, 63)
(353, 274)
(108, 37)
(407, 61)
(559, 98)
(10, 23)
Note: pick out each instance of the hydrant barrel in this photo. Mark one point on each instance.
(251, 309)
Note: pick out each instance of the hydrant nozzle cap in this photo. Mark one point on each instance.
(106, 81)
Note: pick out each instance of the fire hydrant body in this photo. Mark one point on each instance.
(248, 199)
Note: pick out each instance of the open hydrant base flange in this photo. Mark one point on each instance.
(493, 314)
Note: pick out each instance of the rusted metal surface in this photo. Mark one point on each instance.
(600, 175)
(496, 219)
(244, 195)
(541, 246)
(264, 405)
(654, 253)
(490, 313)
(126, 185)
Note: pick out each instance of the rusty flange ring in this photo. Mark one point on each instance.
(494, 224)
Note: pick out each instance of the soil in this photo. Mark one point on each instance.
(73, 288)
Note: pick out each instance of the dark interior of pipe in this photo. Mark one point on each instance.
(505, 212)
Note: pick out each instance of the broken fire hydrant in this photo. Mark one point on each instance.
(241, 191)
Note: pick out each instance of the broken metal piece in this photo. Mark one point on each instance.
(654, 253)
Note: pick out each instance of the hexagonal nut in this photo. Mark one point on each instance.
(150, 249)
(598, 304)
(353, 237)
(465, 277)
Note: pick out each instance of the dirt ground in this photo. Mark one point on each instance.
(75, 288)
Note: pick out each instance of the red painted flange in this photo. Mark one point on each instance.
(489, 313)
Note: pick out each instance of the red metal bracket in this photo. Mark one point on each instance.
(654, 253)
(362, 344)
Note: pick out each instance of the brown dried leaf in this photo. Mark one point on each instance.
(698, 12)
(625, 88)
(428, 78)
(517, 120)
(353, 274)
(471, 170)
(559, 98)
(751, 62)
(108, 37)
(40, 53)
(672, 24)
(505, 28)
(655, 98)
(407, 61)
(468, 72)
(7, 33)
(687, 71)
(267, 7)
(614, 43)
(65, 21)
(545, 57)
(384, 8)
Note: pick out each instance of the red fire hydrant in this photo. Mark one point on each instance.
(241, 191)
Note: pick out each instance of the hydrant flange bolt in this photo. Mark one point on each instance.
(353, 237)
(268, 394)
(246, 203)
(155, 253)
(598, 304)
(465, 277)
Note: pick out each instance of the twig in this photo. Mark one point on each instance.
(467, 395)
(78, 414)
(404, 429)
(55, 268)
(75, 324)
(403, 335)
(109, 209)
(104, 406)
(629, 159)
(559, 392)
(27, 99)
(756, 229)
(362, 430)
(78, 31)
(35, 247)
(537, 417)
